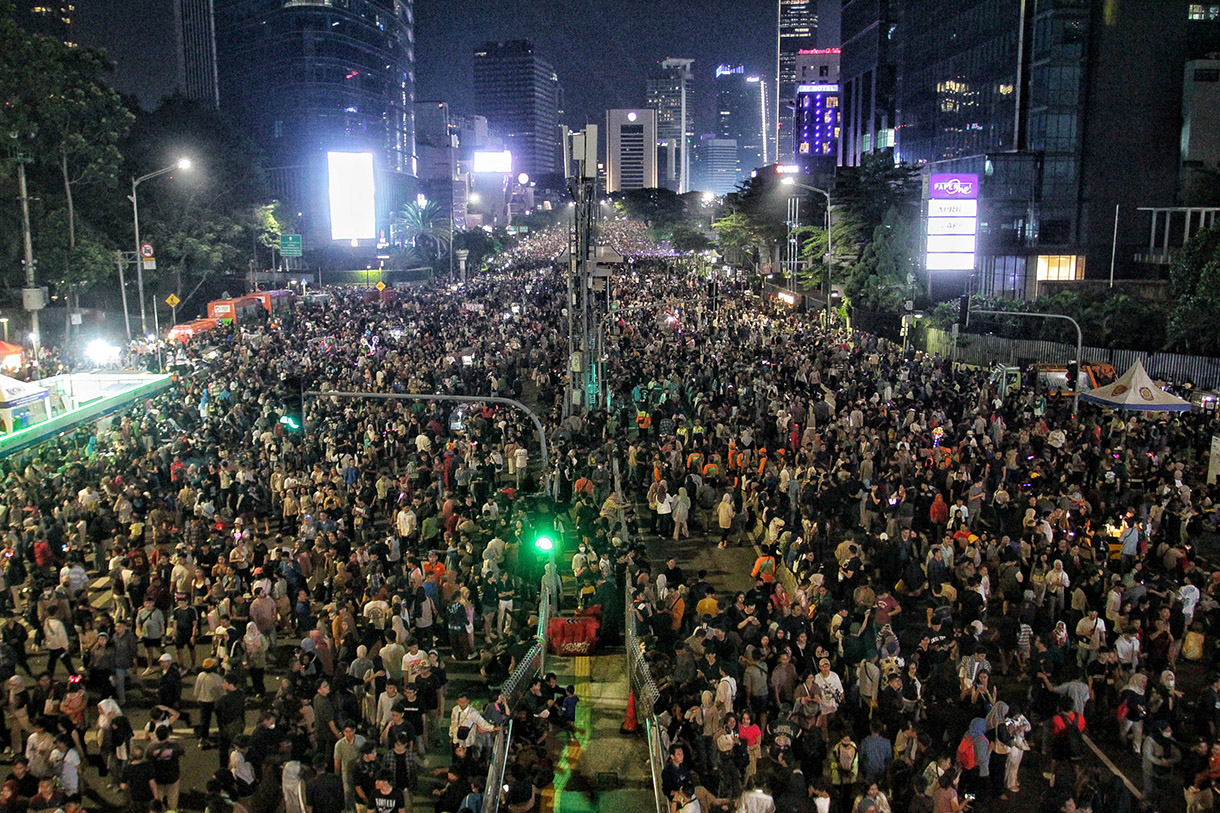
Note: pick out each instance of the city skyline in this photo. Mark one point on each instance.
(607, 55)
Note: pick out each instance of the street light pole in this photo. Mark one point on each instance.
(182, 163)
(788, 180)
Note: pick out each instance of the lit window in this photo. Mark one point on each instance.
(1203, 11)
(1059, 268)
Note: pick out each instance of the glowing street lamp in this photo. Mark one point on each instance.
(182, 163)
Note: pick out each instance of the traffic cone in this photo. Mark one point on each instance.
(630, 725)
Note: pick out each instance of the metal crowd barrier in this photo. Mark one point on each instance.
(646, 697)
(514, 691)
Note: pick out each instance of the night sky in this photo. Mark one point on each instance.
(602, 50)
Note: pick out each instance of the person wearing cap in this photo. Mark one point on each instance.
(169, 684)
(209, 687)
(184, 620)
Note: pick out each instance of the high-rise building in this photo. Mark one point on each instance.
(50, 18)
(720, 167)
(631, 153)
(869, 70)
(305, 79)
(195, 27)
(796, 31)
(518, 92)
(1200, 118)
(741, 114)
(1066, 111)
(669, 93)
(817, 117)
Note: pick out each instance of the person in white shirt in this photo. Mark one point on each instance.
(756, 800)
(412, 661)
(1188, 597)
(465, 716)
(1127, 648)
(1090, 637)
(684, 800)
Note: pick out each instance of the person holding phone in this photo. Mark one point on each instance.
(945, 798)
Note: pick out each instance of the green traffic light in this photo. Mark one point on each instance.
(290, 422)
(544, 544)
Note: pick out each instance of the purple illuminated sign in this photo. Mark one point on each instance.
(953, 186)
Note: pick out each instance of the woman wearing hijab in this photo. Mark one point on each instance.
(1001, 739)
(1165, 699)
(1018, 727)
(975, 779)
(293, 788)
(18, 703)
(116, 735)
(724, 518)
(321, 648)
(256, 646)
(1132, 709)
(681, 514)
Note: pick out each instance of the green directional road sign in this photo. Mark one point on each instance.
(290, 245)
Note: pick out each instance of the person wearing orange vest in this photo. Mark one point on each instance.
(643, 421)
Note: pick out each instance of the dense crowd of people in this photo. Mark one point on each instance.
(948, 576)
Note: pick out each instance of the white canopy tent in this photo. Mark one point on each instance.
(1135, 390)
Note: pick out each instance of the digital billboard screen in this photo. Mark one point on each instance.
(351, 190)
(500, 163)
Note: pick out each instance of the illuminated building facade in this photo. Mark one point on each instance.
(796, 31)
(817, 114)
(742, 115)
(1068, 111)
(306, 77)
(631, 152)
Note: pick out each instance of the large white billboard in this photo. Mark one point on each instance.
(499, 163)
(353, 215)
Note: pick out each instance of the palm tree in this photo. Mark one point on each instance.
(424, 227)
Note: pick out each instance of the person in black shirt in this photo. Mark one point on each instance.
(165, 757)
(396, 725)
(386, 798)
(265, 740)
(140, 781)
(325, 793)
(413, 714)
(27, 783)
(400, 763)
(676, 772)
(364, 776)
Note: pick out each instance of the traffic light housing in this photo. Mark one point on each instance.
(292, 404)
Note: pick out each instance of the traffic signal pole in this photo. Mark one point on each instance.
(1079, 343)
(463, 399)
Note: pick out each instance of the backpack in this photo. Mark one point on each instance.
(965, 753)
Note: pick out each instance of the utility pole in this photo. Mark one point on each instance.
(580, 168)
(32, 297)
